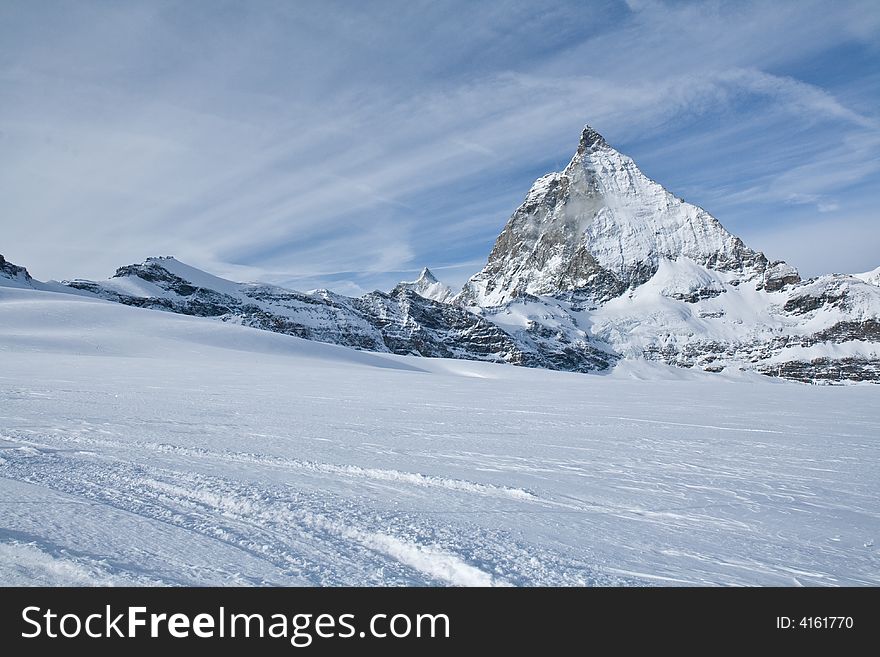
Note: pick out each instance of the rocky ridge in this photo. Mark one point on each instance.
(401, 321)
(13, 273)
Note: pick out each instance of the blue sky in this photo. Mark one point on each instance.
(348, 144)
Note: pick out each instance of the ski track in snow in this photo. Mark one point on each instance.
(698, 426)
(278, 525)
(29, 563)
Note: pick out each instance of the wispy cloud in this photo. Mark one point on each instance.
(844, 244)
(322, 144)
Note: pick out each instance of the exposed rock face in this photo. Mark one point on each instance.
(411, 324)
(401, 322)
(826, 370)
(829, 322)
(13, 274)
(778, 275)
(167, 284)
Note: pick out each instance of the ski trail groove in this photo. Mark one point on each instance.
(317, 538)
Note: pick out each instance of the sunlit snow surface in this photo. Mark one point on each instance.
(140, 447)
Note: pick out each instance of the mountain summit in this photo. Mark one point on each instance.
(600, 227)
(427, 286)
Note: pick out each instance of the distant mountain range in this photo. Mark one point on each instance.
(598, 264)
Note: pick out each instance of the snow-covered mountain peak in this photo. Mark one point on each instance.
(155, 263)
(590, 140)
(426, 276)
(169, 274)
(427, 286)
(598, 228)
(872, 277)
(169, 264)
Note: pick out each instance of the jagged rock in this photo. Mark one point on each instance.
(826, 370)
(779, 274)
(167, 284)
(14, 273)
(401, 322)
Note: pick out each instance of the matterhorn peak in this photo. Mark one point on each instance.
(599, 228)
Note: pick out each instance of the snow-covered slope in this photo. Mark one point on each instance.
(141, 447)
(872, 277)
(16, 276)
(688, 316)
(427, 286)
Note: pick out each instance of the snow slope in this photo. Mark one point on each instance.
(141, 447)
(872, 277)
(688, 315)
(12, 275)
